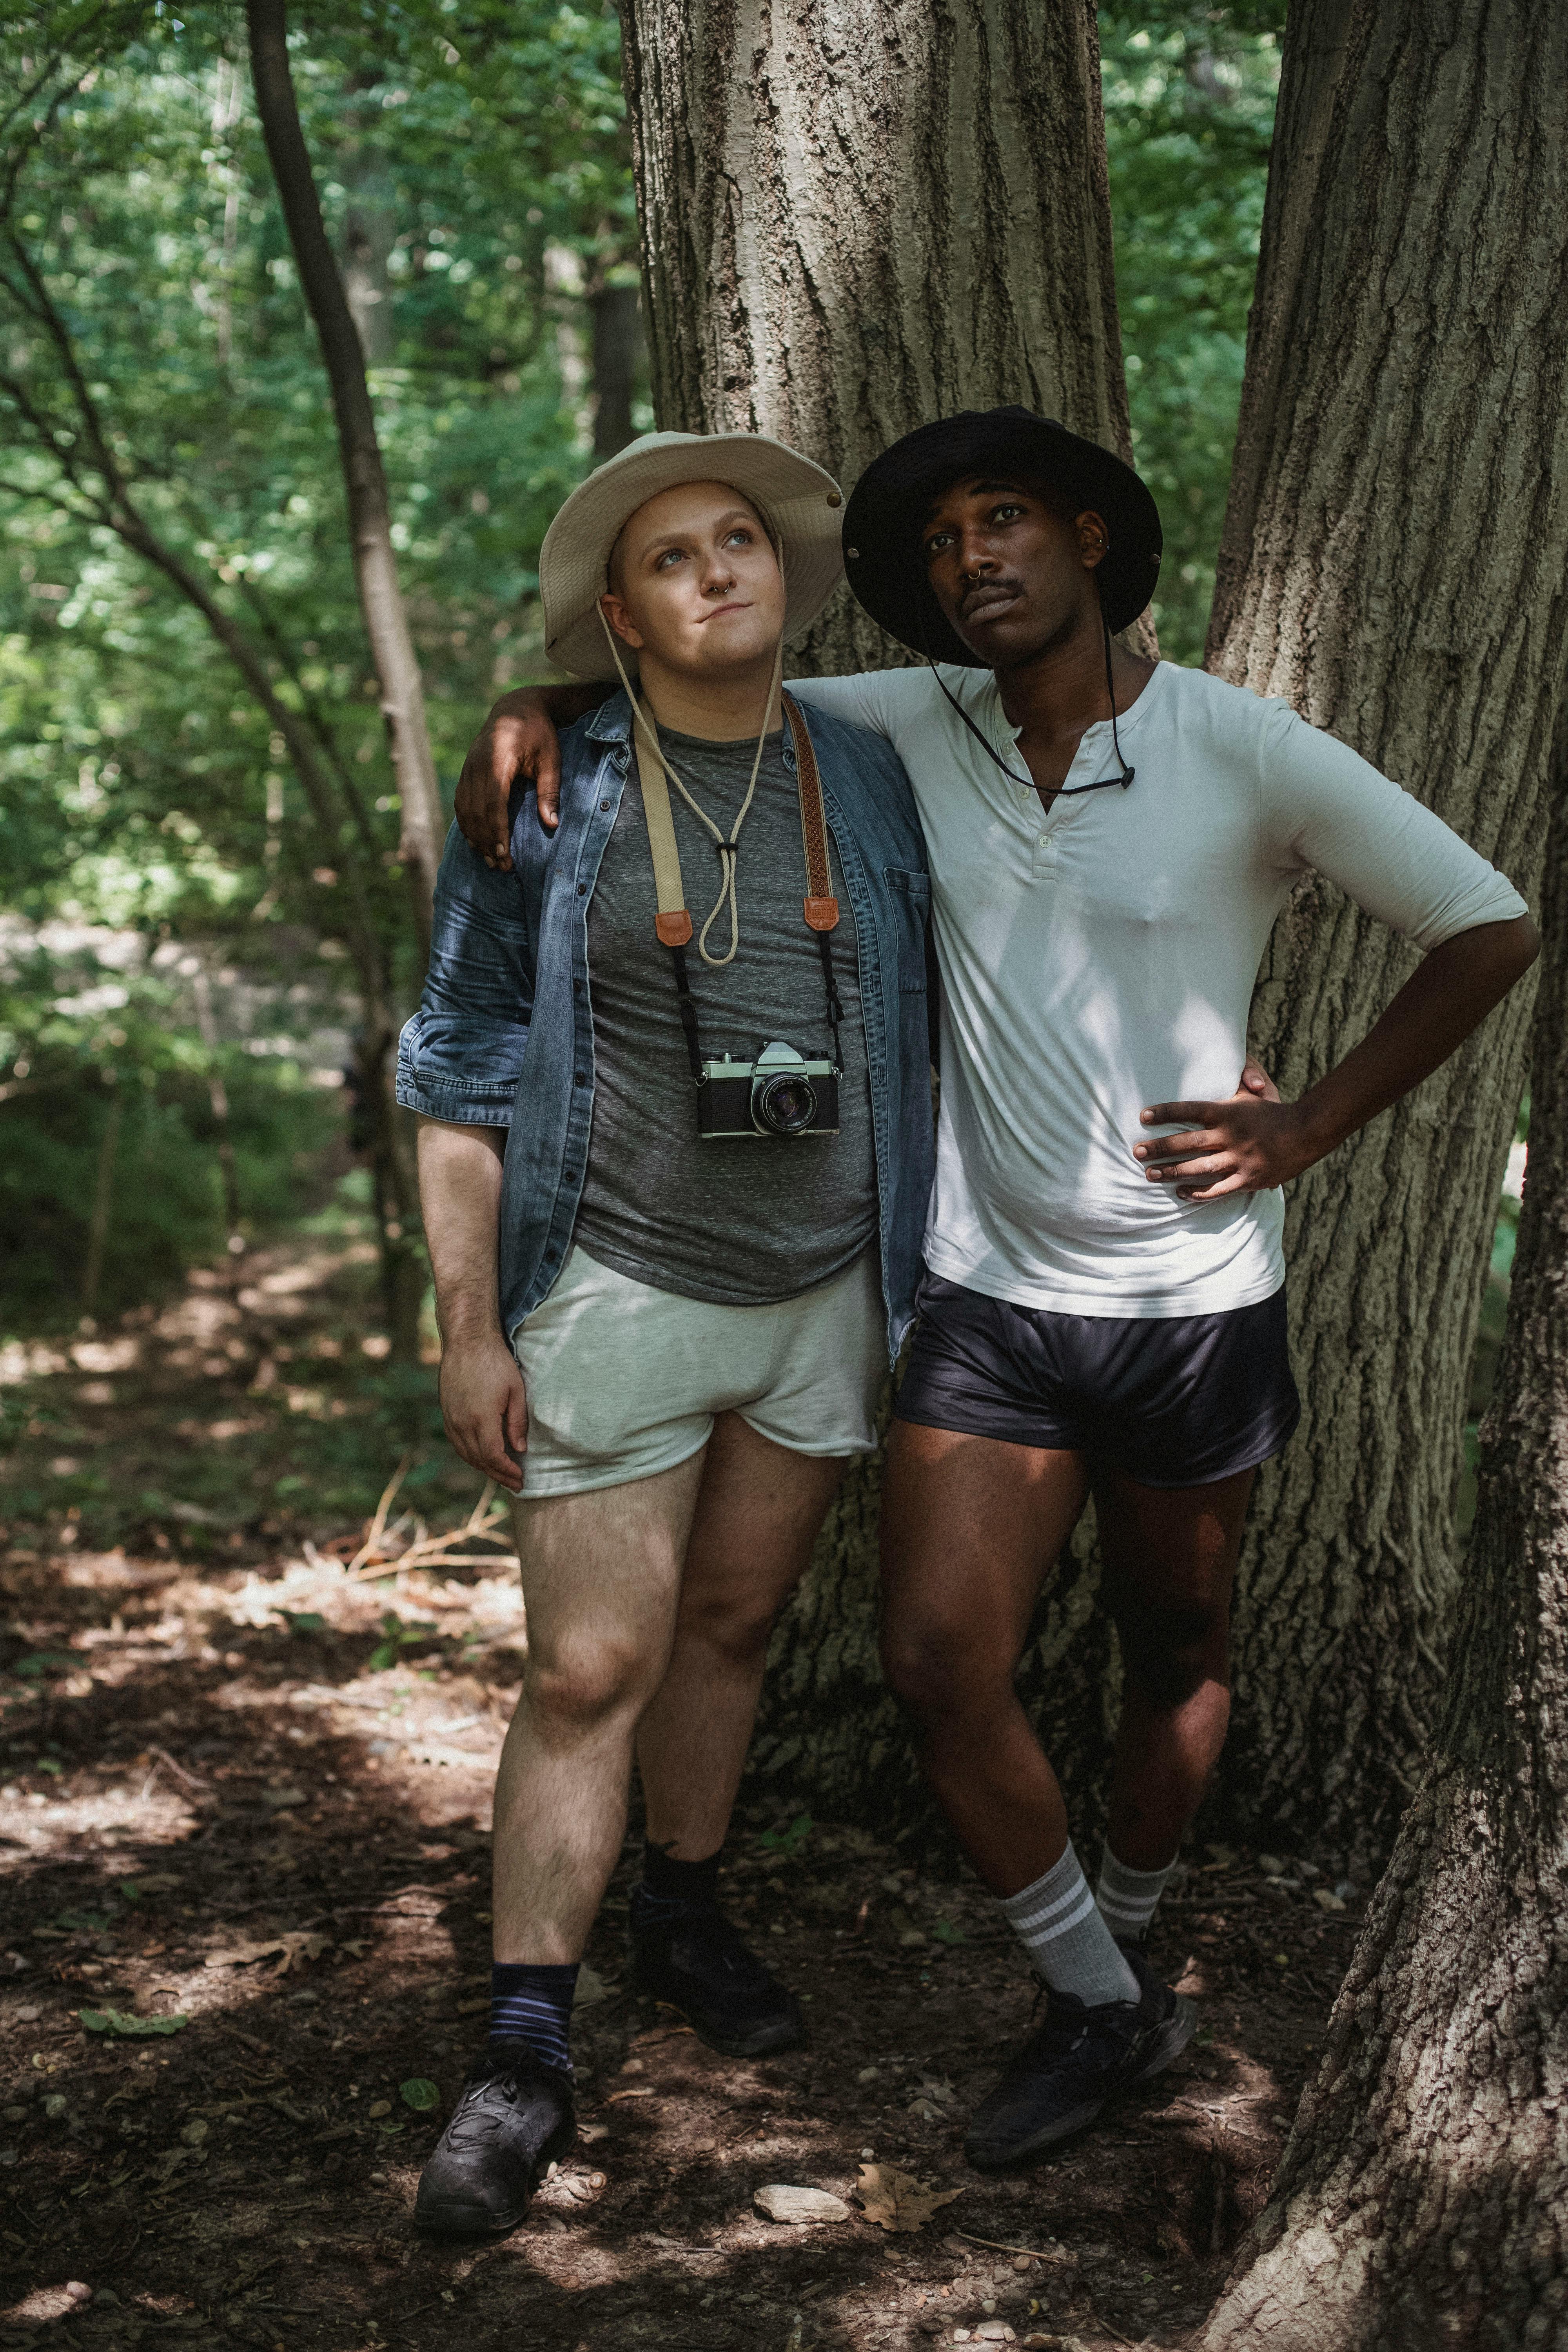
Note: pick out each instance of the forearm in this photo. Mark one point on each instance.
(1449, 995)
(459, 1199)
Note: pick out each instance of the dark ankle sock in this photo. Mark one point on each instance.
(665, 1880)
(533, 2004)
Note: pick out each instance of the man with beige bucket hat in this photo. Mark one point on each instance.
(674, 1168)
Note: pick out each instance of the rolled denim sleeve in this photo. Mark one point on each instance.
(460, 1057)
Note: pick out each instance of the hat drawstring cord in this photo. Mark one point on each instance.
(728, 851)
(1063, 792)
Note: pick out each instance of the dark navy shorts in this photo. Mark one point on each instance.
(1170, 1402)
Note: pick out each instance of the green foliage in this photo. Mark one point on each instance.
(155, 356)
(1189, 113)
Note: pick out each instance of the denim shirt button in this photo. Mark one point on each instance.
(581, 1078)
(603, 806)
(582, 889)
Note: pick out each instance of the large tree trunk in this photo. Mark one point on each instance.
(369, 506)
(1393, 565)
(855, 220)
(1422, 2196)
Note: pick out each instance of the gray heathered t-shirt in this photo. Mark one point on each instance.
(740, 1219)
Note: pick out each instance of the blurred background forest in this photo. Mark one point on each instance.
(184, 935)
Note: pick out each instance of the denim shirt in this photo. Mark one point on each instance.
(504, 1033)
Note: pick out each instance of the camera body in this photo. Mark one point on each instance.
(781, 1092)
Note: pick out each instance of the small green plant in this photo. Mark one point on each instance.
(787, 1843)
(113, 2021)
(396, 1637)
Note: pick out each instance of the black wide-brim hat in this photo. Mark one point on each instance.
(882, 523)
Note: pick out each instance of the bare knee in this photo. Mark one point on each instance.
(1169, 1653)
(731, 1625)
(586, 1679)
(931, 1670)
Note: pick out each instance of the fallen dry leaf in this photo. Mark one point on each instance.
(897, 2200)
(298, 1944)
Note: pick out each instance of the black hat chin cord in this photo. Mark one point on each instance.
(1063, 792)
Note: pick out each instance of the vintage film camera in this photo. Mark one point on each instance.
(781, 1092)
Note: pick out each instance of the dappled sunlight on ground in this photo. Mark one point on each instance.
(243, 1805)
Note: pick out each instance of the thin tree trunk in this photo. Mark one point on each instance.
(853, 220)
(217, 1095)
(370, 222)
(369, 510)
(617, 344)
(1422, 2196)
(103, 1203)
(1393, 565)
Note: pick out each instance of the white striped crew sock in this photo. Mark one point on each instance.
(1127, 1898)
(1057, 1923)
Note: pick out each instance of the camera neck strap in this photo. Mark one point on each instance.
(672, 923)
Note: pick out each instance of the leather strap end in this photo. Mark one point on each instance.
(822, 914)
(674, 931)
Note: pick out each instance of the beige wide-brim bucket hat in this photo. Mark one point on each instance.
(802, 506)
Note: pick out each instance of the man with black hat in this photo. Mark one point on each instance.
(1110, 840)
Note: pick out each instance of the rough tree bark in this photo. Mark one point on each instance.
(856, 216)
(1393, 565)
(1422, 2196)
(369, 506)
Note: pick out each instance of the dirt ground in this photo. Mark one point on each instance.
(244, 1807)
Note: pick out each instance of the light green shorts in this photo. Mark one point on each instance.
(623, 1381)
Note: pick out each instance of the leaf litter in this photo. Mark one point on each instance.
(681, 2164)
(897, 2200)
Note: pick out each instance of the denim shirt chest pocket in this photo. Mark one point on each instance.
(908, 895)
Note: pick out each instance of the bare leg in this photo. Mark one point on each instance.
(601, 1576)
(971, 1528)
(758, 1511)
(1170, 1561)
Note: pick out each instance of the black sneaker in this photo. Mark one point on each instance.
(693, 1958)
(1074, 2062)
(514, 2116)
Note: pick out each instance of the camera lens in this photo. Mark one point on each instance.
(785, 1106)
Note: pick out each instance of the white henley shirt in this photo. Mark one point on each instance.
(1101, 955)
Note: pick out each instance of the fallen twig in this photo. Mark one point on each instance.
(997, 2247)
(377, 1526)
